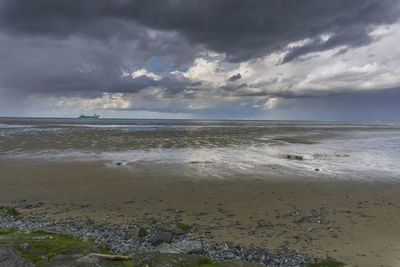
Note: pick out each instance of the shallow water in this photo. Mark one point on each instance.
(345, 150)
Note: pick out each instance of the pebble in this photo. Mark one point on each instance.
(118, 242)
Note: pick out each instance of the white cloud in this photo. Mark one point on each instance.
(80, 105)
(374, 66)
(144, 72)
(271, 103)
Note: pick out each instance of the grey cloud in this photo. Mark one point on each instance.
(235, 77)
(286, 95)
(196, 84)
(358, 36)
(366, 105)
(271, 81)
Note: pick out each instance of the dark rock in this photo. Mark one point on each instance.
(11, 258)
(317, 170)
(296, 157)
(161, 237)
(174, 229)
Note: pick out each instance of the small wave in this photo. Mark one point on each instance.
(11, 126)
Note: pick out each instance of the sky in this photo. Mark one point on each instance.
(201, 59)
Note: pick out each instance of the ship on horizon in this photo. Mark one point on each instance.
(95, 116)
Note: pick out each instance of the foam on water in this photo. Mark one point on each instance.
(11, 126)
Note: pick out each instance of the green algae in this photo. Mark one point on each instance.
(40, 246)
(326, 263)
(142, 232)
(178, 260)
(182, 226)
(12, 212)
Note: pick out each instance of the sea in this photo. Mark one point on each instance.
(220, 149)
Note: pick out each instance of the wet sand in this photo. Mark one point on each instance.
(356, 222)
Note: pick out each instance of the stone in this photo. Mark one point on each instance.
(11, 258)
(174, 229)
(296, 157)
(184, 246)
(190, 247)
(168, 248)
(160, 237)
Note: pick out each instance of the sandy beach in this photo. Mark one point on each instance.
(356, 222)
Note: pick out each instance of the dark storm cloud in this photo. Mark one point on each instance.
(248, 29)
(241, 29)
(73, 67)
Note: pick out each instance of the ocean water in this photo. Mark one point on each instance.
(205, 148)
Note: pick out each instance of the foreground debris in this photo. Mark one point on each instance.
(45, 243)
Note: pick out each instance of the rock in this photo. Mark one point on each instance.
(185, 246)
(190, 247)
(174, 229)
(296, 157)
(160, 237)
(11, 258)
(309, 229)
(168, 248)
(317, 170)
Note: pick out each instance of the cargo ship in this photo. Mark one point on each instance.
(95, 116)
